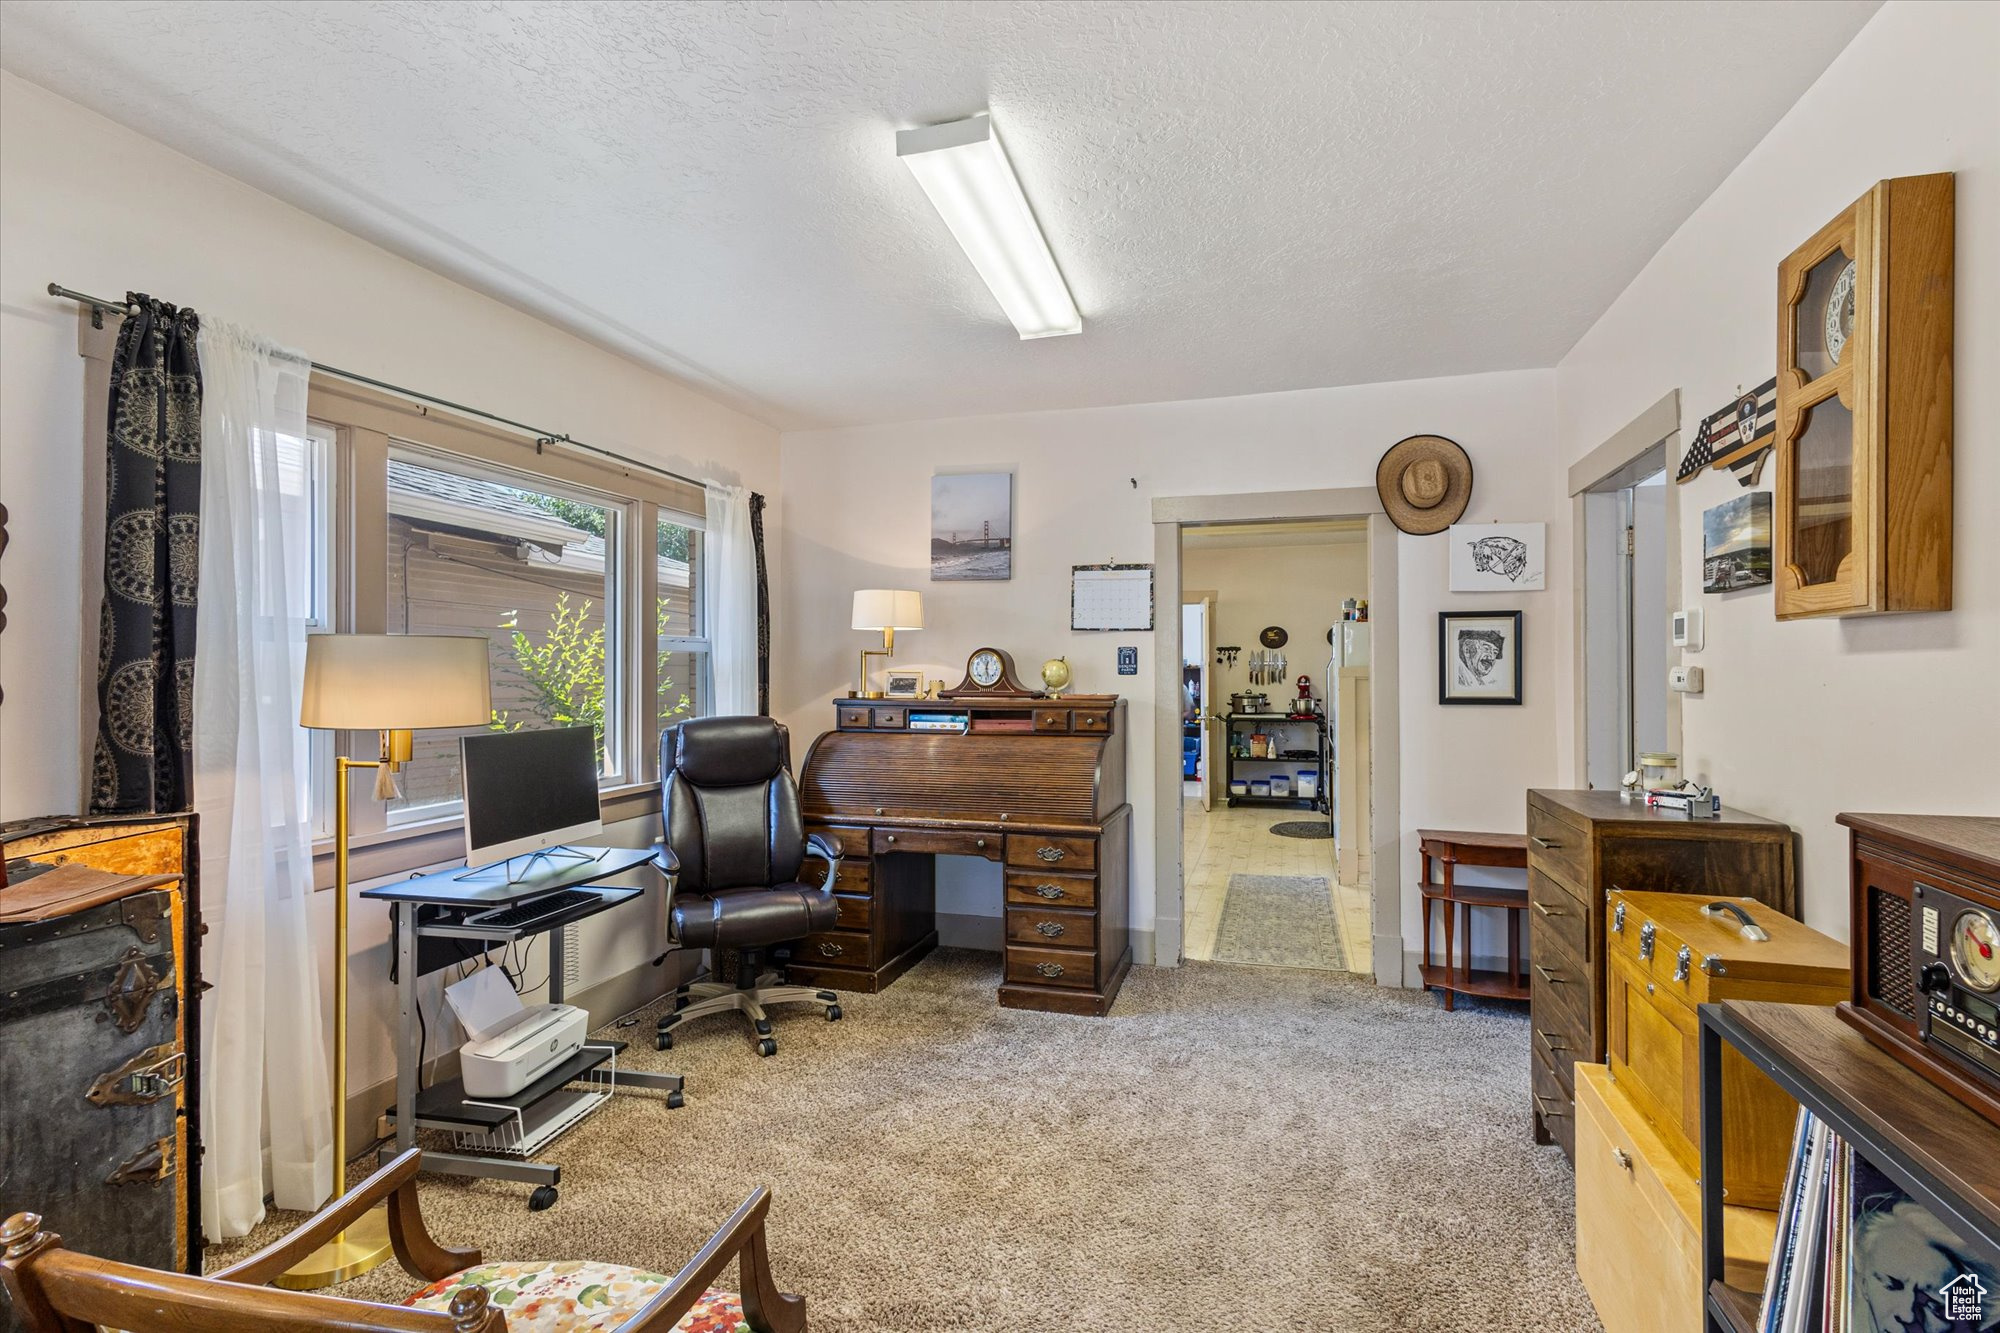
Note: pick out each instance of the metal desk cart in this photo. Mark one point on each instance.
(1244, 768)
(499, 1138)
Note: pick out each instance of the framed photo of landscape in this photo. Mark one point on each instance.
(1736, 543)
(1479, 657)
(972, 526)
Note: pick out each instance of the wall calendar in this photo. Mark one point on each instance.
(1111, 597)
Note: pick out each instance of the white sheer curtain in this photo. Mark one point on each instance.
(729, 599)
(264, 1065)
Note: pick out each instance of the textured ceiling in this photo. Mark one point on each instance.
(1245, 197)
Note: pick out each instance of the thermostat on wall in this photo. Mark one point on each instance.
(1687, 630)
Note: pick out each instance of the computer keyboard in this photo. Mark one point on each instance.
(520, 916)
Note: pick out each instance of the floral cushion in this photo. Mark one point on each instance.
(578, 1297)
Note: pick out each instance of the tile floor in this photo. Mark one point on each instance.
(1224, 842)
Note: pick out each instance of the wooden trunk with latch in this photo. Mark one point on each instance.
(99, 1021)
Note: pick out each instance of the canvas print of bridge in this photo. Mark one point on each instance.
(972, 526)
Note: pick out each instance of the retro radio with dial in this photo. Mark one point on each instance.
(1925, 934)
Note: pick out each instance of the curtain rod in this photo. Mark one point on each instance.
(98, 305)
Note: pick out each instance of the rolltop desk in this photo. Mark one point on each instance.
(1036, 785)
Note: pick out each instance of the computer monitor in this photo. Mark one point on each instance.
(528, 791)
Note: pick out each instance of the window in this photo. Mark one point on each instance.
(681, 643)
(305, 480)
(533, 567)
(583, 576)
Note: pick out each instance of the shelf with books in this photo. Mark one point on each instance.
(1895, 1184)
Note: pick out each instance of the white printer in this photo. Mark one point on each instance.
(505, 1059)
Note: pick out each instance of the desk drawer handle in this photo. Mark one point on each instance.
(1623, 1158)
(1543, 843)
(1049, 891)
(892, 837)
(831, 950)
(1049, 929)
(1542, 1105)
(1051, 854)
(1550, 1040)
(979, 843)
(1049, 969)
(1548, 911)
(1553, 978)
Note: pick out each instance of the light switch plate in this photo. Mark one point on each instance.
(1684, 679)
(1687, 629)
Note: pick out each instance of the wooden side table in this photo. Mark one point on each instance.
(1453, 849)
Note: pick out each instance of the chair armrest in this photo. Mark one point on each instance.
(665, 861)
(765, 1308)
(420, 1256)
(825, 848)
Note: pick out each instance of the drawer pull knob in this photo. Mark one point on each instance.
(980, 843)
(1543, 843)
(1049, 929)
(1646, 934)
(892, 837)
(1682, 962)
(1049, 891)
(831, 950)
(1050, 854)
(1049, 969)
(1623, 1158)
(1553, 978)
(1545, 910)
(1618, 919)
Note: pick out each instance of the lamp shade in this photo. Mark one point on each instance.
(888, 608)
(395, 682)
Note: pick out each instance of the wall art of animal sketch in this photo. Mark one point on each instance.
(1498, 557)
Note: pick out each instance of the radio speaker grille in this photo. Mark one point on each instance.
(1891, 953)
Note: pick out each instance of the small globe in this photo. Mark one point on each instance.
(1055, 674)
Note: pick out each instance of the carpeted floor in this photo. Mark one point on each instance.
(1233, 1149)
(1280, 921)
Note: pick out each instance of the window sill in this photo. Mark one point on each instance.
(398, 851)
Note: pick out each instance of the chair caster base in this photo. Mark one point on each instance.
(663, 1042)
(675, 1101)
(833, 1013)
(767, 1047)
(543, 1197)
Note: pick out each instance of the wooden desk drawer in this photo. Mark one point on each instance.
(1051, 853)
(1092, 722)
(854, 912)
(1555, 978)
(834, 948)
(1556, 1101)
(937, 843)
(857, 873)
(1052, 719)
(854, 718)
(890, 718)
(1556, 918)
(1051, 890)
(1051, 967)
(1557, 1043)
(1066, 928)
(1558, 848)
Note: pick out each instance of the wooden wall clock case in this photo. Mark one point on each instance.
(1863, 491)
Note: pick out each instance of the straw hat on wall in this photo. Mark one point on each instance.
(1425, 483)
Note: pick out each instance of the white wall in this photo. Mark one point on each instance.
(1084, 485)
(1803, 720)
(97, 208)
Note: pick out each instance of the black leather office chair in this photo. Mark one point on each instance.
(733, 847)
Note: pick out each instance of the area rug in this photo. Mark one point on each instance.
(1280, 921)
(1304, 828)
(1232, 1148)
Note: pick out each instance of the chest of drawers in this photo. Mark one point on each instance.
(1581, 846)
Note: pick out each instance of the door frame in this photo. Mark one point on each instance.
(1620, 461)
(1385, 823)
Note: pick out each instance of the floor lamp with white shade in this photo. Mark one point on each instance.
(391, 684)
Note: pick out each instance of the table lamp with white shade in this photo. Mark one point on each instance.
(888, 610)
(390, 684)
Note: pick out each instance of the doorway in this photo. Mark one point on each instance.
(1270, 620)
(1626, 511)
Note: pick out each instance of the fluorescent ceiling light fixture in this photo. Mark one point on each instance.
(965, 171)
